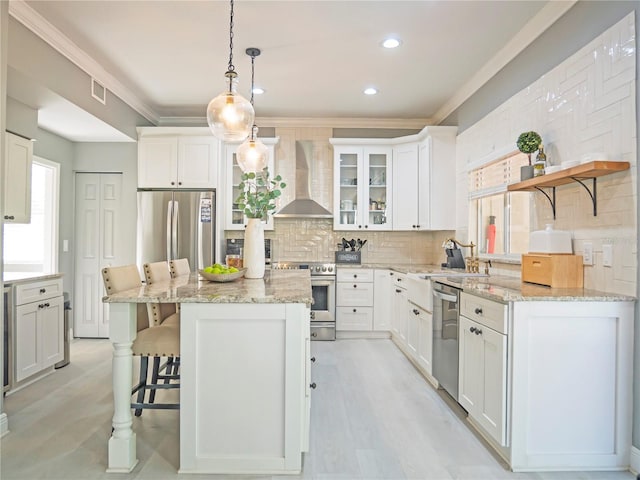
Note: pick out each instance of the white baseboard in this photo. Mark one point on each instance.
(635, 460)
(4, 424)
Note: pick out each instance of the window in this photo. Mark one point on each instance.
(33, 247)
(499, 220)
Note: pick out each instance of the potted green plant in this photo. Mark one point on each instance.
(257, 199)
(528, 142)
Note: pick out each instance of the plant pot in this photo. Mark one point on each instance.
(526, 172)
(254, 249)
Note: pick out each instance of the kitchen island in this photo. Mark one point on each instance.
(245, 367)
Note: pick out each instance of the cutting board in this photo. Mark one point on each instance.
(553, 270)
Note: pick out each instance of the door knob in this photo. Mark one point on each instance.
(313, 359)
(478, 311)
(313, 385)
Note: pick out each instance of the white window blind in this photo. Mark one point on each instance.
(495, 176)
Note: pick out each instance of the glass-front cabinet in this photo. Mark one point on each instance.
(235, 218)
(362, 195)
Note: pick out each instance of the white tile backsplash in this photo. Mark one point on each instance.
(584, 106)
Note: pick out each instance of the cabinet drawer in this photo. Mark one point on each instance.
(354, 274)
(419, 292)
(39, 290)
(486, 312)
(349, 294)
(354, 318)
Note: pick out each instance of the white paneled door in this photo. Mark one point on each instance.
(98, 211)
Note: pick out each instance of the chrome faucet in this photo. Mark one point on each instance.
(473, 264)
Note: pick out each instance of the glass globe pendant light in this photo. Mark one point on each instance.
(230, 115)
(252, 153)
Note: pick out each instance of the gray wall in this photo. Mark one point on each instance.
(39, 62)
(581, 24)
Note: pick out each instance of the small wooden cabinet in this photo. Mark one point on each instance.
(174, 158)
(17, 179)
(39, 327)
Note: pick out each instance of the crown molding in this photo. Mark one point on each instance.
(35, 22)
(414, 123)
(546, 17)
(340, 122)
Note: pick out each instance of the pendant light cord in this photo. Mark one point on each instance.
(231, 67)
(253, 58)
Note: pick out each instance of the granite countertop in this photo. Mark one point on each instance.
(410, 268)
(512, 289)
(14, 278)
(277, 286)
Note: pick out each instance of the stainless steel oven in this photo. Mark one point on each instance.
(446, 312)
(323, 288)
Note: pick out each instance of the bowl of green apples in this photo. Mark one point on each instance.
(221, 273)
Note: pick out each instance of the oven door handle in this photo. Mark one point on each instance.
(322, 283)
(445, 296)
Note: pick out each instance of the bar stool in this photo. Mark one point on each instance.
(160, 313)
(157, 342)
(179, 267)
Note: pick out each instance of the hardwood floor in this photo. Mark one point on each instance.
(373, 417)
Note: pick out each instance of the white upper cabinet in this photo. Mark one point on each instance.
(177, 158)
(362, 185)
(17, 179)
(424, 181)
(234, 217)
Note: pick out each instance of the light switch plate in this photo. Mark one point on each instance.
(587, 254)
(607, 255)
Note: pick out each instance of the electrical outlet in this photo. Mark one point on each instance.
(607, 255)
(587, 254)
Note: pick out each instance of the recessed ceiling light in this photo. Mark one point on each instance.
(370, 91)
(258, 91)
(391, 43)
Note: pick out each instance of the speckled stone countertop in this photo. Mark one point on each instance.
(10, 278)
(414, 268)
(277, 286)
(512, 289)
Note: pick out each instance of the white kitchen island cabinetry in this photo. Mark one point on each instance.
(549, 383)
(38, 327)
(17, 179)
(245, 372)
(177, 158)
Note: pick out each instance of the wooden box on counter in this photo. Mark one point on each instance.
(553, 270)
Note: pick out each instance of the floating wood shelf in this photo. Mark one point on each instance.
(578, 174)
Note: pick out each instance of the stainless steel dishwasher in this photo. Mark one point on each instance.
(445, 336)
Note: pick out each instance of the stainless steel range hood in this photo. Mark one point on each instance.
(302, 205)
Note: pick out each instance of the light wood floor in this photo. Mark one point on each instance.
(373, 417)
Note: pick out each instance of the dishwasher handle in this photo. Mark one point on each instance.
(445, 296)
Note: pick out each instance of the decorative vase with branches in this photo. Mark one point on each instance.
(257, 199)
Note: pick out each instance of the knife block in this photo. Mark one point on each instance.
(349, 257)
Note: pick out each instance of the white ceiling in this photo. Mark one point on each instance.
(317, 56)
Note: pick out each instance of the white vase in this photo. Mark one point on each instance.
(254, 248)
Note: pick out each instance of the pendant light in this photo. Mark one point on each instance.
(252, 153)
(230, 115)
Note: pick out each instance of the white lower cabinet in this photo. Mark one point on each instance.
(482, 388)
(354, 299)
(425, 338)
(39, 327)
(382, 300)
(399, 325)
